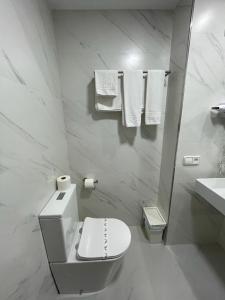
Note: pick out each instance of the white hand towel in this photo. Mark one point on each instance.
(133, 98)
(106, 103)
(106, 82)
(154, 96)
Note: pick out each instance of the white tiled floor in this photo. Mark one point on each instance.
(157, 272)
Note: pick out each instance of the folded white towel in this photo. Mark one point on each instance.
(154, 96)
(133, 98)
(106, 82)
(106, 103)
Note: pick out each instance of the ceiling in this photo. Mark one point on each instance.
(112, 4)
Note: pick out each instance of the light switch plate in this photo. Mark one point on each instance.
(191, 160)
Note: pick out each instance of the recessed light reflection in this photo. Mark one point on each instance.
(132, 59)
(203, 20)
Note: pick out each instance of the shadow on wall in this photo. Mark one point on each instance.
(191, 209)
(210, 219)
(126, 134)
(217, 118)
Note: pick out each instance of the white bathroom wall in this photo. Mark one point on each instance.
(178, 60)
(126, 161)
(38, 27)
(191, 218)
(33, 145)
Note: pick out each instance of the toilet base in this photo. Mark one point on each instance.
(76, 276)
(87, 277)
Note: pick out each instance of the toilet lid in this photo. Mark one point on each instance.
(103, 239)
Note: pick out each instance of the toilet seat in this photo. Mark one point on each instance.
(103, 239)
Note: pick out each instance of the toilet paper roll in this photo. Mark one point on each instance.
(63, 182)
(89, 183)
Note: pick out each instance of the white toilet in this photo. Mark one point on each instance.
(83, 256)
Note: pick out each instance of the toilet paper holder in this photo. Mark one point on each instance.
(220, 108)
(95, 181)
(92, 187)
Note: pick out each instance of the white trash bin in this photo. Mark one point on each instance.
(154, 224)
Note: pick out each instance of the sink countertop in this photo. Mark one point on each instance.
(213, 191)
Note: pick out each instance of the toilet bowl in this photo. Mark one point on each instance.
(83, 256)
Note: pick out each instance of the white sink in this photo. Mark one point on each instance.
(213, 191)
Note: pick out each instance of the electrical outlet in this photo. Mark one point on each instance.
(191, 160)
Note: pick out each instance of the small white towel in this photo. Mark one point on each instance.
(133, 98)
(154, 96)
(106, 103)
(106, 82)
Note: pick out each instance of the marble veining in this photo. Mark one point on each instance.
(33, 145)
(12, 68)
(125, 161)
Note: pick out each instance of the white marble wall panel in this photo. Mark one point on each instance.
(40, 34)
(191, 218)
(33, 147)
(178, 59)
(125, 161)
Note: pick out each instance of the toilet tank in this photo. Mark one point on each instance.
(58, 222)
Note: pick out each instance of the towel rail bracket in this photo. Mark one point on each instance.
(168, 72)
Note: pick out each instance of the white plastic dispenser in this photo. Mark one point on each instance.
(154, 224)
